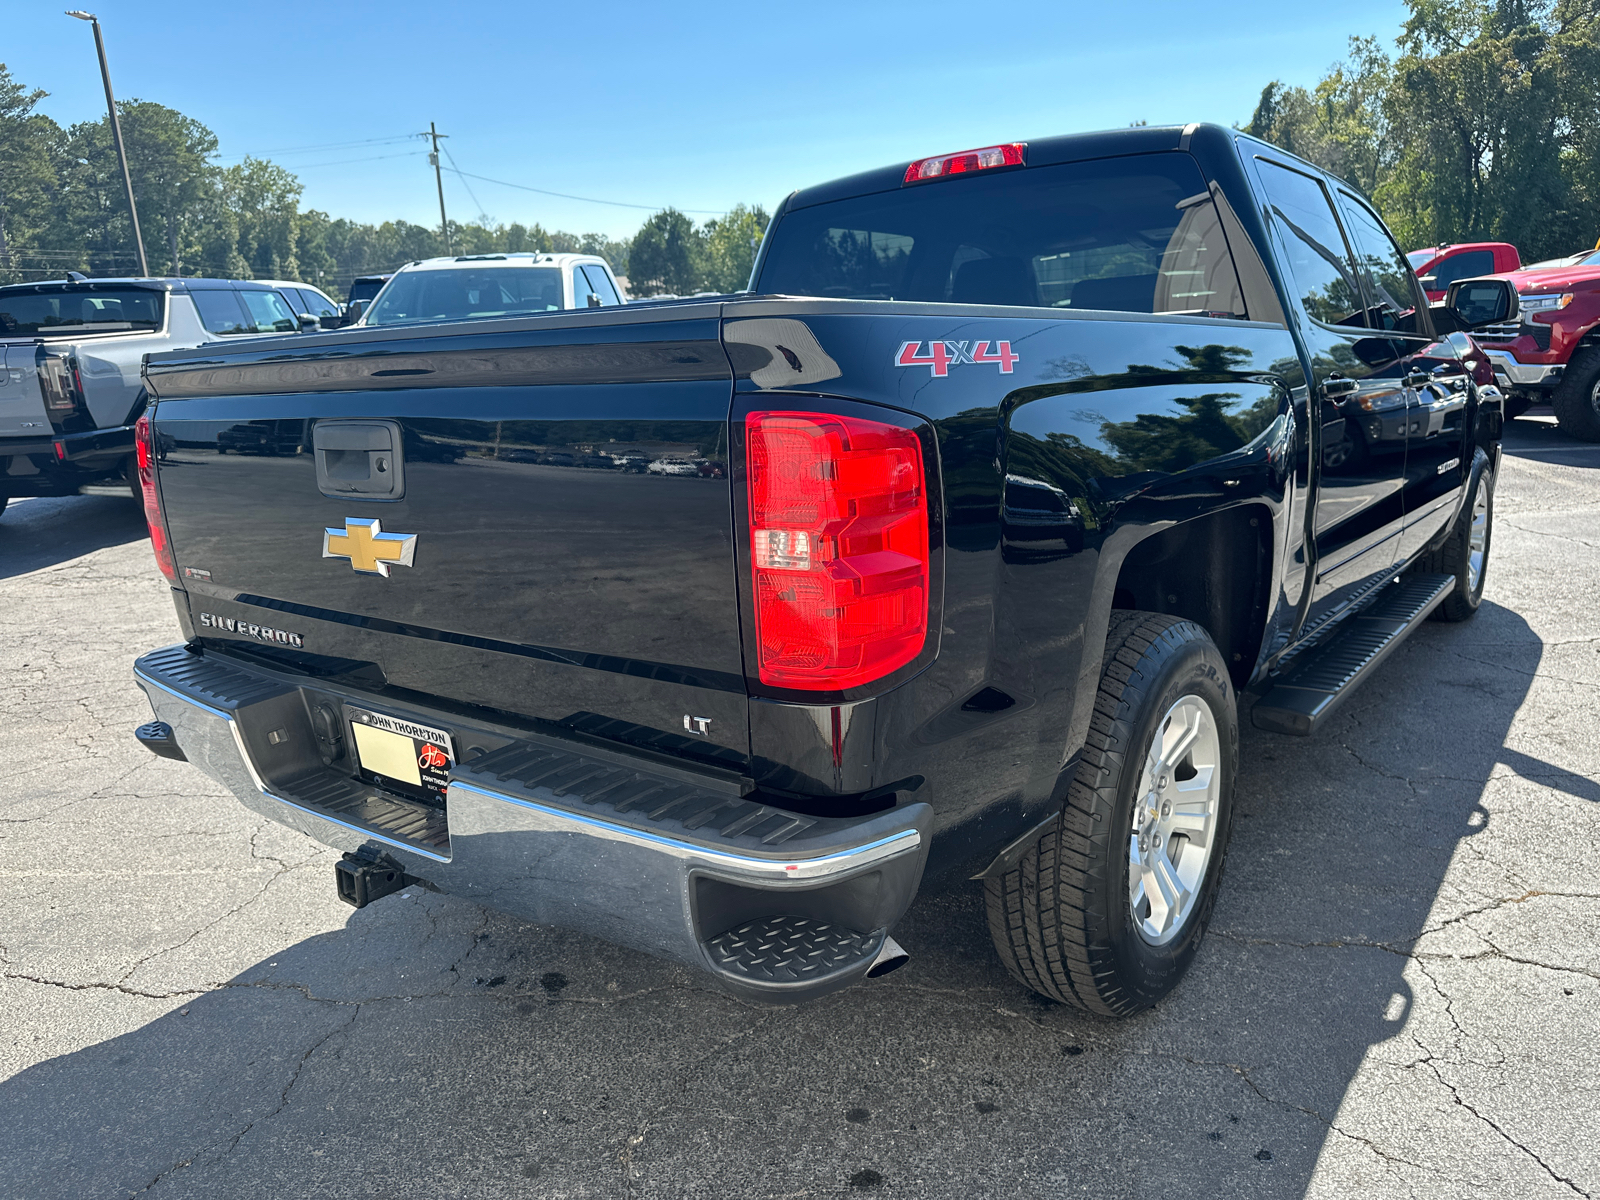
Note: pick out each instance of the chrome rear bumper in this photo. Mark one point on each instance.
(665, 859)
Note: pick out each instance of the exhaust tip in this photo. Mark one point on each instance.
(891, 957)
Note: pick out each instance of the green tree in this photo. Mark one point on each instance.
(730, 247)
(665, 256)
(30, 145)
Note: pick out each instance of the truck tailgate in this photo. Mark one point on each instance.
(22, 411)
(566, 500)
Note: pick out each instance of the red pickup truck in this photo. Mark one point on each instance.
(1551, 353)
(1439, 266)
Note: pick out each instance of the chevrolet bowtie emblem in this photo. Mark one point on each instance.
(369, 549)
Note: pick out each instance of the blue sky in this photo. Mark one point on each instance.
(697, 105)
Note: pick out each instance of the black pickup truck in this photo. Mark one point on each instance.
(1016, 475)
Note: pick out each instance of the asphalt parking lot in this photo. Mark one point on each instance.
(1398, 996)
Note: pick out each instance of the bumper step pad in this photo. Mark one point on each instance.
(789, 949)
(1321, 676)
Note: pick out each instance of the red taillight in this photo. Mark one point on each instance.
(839, 554)
(145, 454)
(1008, 155)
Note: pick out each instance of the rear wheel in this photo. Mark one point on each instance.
(1465, 553)
(1576, 400)
(1106, 910)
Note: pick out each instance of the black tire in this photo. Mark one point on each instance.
(1062, 920)
(1455, 556)
(1576, 399)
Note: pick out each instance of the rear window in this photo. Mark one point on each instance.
(1461, 266)
(1135, 234)
(78, 311)
(463, 294)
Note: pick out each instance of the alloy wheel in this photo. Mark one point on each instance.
(1174, 821)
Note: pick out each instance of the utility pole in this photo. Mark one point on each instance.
(438, 177)
(116, 134)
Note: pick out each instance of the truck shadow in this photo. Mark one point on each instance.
(429, 1048)
(41, 532)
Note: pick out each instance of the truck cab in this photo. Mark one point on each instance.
(1437, 268)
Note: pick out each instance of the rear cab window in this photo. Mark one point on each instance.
(78, 311)
(1135, 234)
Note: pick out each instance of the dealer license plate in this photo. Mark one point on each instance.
(394, 750)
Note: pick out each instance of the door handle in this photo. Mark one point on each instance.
(1337, 387)
(1415, 379)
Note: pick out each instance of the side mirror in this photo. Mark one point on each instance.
(1474, 303)
(353, 311)
(309, 323)
(331, 321)
(595, 301)
(1429, 283)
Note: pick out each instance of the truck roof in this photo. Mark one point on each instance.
(516, 258)
(150, 283)
(1073, 147)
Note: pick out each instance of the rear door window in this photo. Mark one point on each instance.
(1318, 257)
(220, 311)
(1134, 234)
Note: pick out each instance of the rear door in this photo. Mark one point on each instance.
(1433, 377)
(540, 580)
(1363, 414)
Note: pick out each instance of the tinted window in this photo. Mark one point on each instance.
(269, 312)
(1136, 234)
(1461, 266)
(221, 312)
(1393, 297)
(79, 311)
(1313, 244)
(457, 294)
(600, 284)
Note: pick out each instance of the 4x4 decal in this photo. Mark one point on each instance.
(942, 356)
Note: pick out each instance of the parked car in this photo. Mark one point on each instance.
(738, 724)
(70, 351)
(673, 466)
(478, 286)
(1551, 353)
(1441, 266)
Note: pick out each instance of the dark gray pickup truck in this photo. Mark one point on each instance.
(955, 546)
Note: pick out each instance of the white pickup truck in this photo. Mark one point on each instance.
(70, 354)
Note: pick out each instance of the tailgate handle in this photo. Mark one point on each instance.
(361, 459)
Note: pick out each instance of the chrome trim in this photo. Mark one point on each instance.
(769, 870)
(1524, 374)
(268, 793)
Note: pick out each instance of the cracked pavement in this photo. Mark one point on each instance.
(1398, 996)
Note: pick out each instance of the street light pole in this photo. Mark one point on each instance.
(116, 134)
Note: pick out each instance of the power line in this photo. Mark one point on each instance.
(705, 212)
(483, 213)
(404, 137)
(346, 161)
